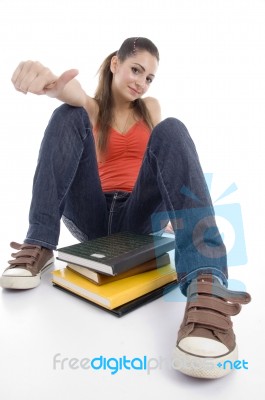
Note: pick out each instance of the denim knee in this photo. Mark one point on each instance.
(71, 117)
(172, 132)
(64, 109)
(172, 124)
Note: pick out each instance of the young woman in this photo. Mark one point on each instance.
(107, 164)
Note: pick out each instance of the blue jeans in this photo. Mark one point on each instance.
(170, 185)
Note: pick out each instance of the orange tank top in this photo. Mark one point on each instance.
(120, 165)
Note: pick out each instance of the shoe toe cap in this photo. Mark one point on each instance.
(200, 346)
(16, 272)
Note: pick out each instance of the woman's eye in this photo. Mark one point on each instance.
(149, 80)
(135, 70)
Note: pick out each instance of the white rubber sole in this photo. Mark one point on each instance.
(24, 282)
(203, 367)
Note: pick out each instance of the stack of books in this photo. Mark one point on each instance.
(119, 272)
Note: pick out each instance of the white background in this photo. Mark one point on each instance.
(211, 77)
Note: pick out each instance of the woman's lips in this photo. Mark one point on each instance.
(134, 91)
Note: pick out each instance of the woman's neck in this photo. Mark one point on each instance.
(121, 106)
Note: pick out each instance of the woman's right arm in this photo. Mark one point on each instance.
(33, 77)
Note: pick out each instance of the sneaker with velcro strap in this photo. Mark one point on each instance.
(25, 270)
(206, 344)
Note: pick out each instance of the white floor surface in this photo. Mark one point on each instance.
(211, 77)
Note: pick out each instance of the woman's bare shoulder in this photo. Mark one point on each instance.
(154, 109)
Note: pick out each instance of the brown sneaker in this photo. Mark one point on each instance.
(206, 346)
(25, 270)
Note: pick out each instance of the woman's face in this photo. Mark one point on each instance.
(133, 77)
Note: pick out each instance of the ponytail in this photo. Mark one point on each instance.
(104, 99)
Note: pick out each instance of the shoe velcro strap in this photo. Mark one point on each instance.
(210, 319)
(15, 245)
(214, 303)
(22, 261)
(217, 290)
(26, 253)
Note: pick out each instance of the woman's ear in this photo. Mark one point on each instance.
(114, 64)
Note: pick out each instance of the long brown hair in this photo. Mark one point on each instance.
(103, 92)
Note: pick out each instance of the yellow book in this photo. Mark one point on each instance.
(117, 293)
